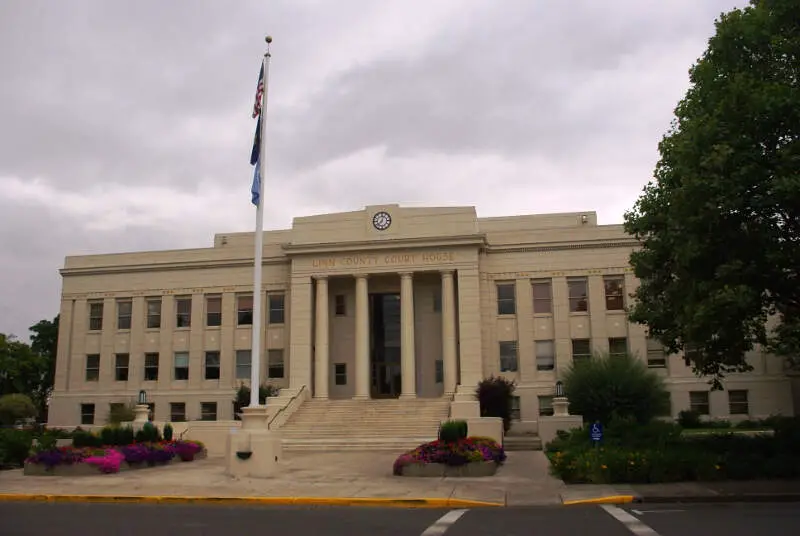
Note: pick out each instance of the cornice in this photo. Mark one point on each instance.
(478, 239)
(560, 246)
(170, 266)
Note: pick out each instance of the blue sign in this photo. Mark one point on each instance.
(596, 432)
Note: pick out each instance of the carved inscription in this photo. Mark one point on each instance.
(391, 259)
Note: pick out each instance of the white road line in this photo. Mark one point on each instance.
(632, 523)
(443, 523)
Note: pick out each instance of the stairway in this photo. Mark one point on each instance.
(386, 424)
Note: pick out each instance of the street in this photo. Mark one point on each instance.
(64, 519)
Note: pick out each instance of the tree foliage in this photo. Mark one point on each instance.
(720, 225)
(14, 407)
(494, 396)
(608, 387)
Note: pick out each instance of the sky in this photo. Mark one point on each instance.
(126, 126)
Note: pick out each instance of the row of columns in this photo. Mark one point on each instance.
(407, 348)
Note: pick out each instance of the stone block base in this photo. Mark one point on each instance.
(470, 470)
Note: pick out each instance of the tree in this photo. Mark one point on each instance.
(44, 343)
(21, 370)
(719, 227)
(608, 386)
(14, 407)
(494, 398)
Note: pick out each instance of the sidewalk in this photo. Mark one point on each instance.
(313, 478)
(684, 492)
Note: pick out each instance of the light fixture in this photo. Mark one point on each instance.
(142, 397)
(559, 388)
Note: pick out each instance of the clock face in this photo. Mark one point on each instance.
(381, 220)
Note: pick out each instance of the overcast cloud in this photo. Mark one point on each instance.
(126, 125)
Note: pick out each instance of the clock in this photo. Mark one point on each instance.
(381, 220)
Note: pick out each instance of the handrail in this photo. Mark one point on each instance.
(269, 424)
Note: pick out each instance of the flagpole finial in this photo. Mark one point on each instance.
(268, 39)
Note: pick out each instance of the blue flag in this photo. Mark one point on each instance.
(256, 187)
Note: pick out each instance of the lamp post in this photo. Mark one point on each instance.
(559, 389)
(142, 397)
(560, 402)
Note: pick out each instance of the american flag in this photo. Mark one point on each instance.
(259, 93)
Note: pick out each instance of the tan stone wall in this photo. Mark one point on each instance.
(519, 250)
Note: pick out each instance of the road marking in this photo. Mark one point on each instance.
(641, 512)
(632, 523)
(443, 523)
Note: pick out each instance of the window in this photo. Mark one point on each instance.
(439, 371)
(340, 373)
(244, 310)
(339, 305)
(181, 366)
(276, 308)
(542, 297)
(515, 409)
(437, 301)
(177, 411)
(152, 413)
(153, 313)
(243, 362)
(122, 361)
(656, 355)
(213, 311)
(151, 367)
(691, 353)
(208, 411)
(212, 366)
(698, 401)
(96, 316)
(618, 346)
(506, 299)
(183, 312)
(508, 356)
(275, 366)
(545, 355)
(615, 293)
(581, 350)
(545, 406)
(737, 402)
(578, 295)
(92, 367)
(124, 309)
(87, 413)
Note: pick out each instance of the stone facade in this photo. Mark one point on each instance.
(388, 301)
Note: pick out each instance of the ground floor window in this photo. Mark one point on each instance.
(439, 371)
(738, 403)
(340, 373)
(545, 406)
(275, 363)
(698, 402)
(208, 411)
(515, 409)
(177, 412)
(87, 413)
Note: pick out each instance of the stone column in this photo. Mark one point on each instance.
(449, 360)
(407, 355)
(322, 365)
(362, 337)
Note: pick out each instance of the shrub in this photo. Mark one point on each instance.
(608, 386)
(14, 447)
(148, 433)
(83, 438)
(242, 398)
(689, 419)
(14, 407)
(121, 413)
(168, 432)
(452, 431)
(494, 396)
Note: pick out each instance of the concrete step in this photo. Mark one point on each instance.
(398, 445)
(518, 443)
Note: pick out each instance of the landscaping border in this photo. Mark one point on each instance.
(86, 469)
(439, 470)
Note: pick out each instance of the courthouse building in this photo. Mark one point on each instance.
(386, 302)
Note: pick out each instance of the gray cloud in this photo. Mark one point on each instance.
(516, 106)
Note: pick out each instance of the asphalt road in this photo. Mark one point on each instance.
(41, 519)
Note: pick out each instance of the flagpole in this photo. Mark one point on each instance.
(255, 352)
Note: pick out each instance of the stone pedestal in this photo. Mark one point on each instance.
(141, 415)
(253, 450)
(560, 406)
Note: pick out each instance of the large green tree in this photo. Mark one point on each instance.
(720, 225)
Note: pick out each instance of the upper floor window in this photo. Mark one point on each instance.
(542, 297)
(506, 299)
(124, 309)
(581, 350)
(244, 310)
(615, 293)
(656, 355)
(183, 312)
(153, 313)
(213, 311)
(96, 316)
(276, 308)
(275, 364)
(508, 356)
(578, 295)
(618, 346)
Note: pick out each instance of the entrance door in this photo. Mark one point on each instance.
(385, 345)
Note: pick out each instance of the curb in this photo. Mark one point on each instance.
(611, 499)
(724, 498)
(262, 501)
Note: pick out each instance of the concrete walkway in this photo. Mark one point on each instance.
(522, 480)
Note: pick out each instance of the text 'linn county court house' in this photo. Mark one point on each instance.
(386, 302)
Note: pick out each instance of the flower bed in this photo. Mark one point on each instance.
(468, 457)
(72, 461)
